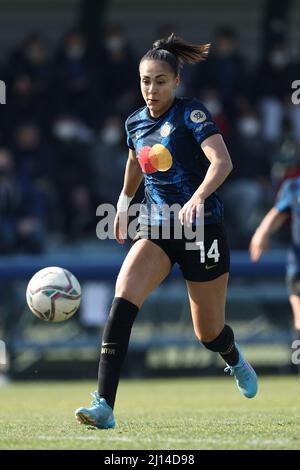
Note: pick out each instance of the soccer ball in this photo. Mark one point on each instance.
(53, 294)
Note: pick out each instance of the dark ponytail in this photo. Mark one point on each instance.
(176, 52)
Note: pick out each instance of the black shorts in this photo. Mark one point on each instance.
(293, 272)
(206, 262)
(293, 284)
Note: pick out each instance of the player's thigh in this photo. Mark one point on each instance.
(293, 285)
(207, 302)
(144, 268)
(295, 304)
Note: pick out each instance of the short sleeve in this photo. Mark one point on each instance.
(284, 197)
(198, 119)
(129, 139)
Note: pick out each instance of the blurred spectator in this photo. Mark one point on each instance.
(23, 104)
(213, 103)
(32, 59)
(68, 128)
(122, 72)
(28, 77)
(32, 158)
(272, 89)
(72, 175)
(21, 211)
(224, 70)
(33, 161)
(80, 210)
(109, 155)
(75, 84)
(249, 182)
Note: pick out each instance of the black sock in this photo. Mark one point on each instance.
(225, 346)
(115, 340)
(297, 335)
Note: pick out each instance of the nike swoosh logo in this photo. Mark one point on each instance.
(210, 267)
(108, 344)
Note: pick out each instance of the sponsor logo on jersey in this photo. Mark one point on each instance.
(197, 116)
(155, 158)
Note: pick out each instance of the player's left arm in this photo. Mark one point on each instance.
(220, 166)
(260, 242)
(272, 221)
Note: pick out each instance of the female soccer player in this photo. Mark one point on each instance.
(175, 145)
(287, 204)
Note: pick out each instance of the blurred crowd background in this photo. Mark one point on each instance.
(71, 74)
(62, 142)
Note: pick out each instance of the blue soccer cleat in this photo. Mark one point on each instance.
(245, 376)
(100, 415)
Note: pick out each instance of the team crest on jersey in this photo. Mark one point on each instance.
(165, 129)
(197, 116)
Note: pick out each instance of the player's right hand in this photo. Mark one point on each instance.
(120, 227)
(259, 243)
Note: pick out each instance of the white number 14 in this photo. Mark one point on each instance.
(213, 252)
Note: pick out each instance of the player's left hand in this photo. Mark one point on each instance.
(191, 210)
(259, 243)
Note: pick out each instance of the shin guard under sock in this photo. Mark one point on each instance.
(115, 340)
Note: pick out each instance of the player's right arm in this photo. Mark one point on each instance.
(133, 175)
(132, 180)
(273, 220)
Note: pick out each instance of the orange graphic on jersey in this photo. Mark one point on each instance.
(156, 158)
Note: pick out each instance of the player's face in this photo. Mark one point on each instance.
(158, 85)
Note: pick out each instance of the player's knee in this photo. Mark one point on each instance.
(206, 336)
(131, 295)
(198, 334)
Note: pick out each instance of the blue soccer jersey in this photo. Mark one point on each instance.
(288, 199)
(169, 153)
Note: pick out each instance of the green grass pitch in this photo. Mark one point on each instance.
(155, 414)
